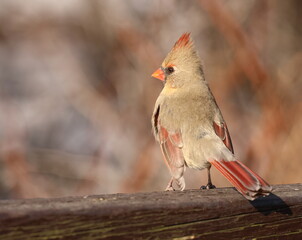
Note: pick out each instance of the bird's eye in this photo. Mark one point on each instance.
(170, 70)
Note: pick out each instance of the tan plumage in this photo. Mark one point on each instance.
(189, 125)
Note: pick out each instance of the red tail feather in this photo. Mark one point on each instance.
(245, 180)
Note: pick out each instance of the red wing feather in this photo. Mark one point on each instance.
(223, 132)
(171, 144)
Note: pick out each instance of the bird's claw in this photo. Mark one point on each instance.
(169, 188)
(208, 186)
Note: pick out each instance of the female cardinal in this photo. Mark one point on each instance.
(190, 128)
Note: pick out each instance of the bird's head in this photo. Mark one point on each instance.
(182, 64)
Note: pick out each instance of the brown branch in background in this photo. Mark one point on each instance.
(143, 48)
(109, 122)
(95, 175)
(94, 107)
(231, 77)
(145, 51)
(272, 121)
(97, 108)
(143, 170)
(13, 153)
(257, 25)
(232, 73)
(246, 56)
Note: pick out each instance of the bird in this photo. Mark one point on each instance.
(190, 128)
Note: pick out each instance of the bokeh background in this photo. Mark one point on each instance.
(76, 96)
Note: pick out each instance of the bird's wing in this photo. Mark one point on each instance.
(171, 145)
(222, 131)
(244, 179)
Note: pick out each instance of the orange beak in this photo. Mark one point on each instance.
(159, 74)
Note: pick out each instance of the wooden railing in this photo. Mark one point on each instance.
(193, 214)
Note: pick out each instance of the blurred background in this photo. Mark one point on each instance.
(76, 95)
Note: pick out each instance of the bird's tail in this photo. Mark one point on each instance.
(248, 183)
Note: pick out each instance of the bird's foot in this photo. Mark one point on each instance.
(181, 183)
(208, 186)
(169, 188)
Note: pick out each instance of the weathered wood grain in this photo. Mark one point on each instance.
(202, 214)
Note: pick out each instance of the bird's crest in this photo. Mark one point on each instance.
(183, 41)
